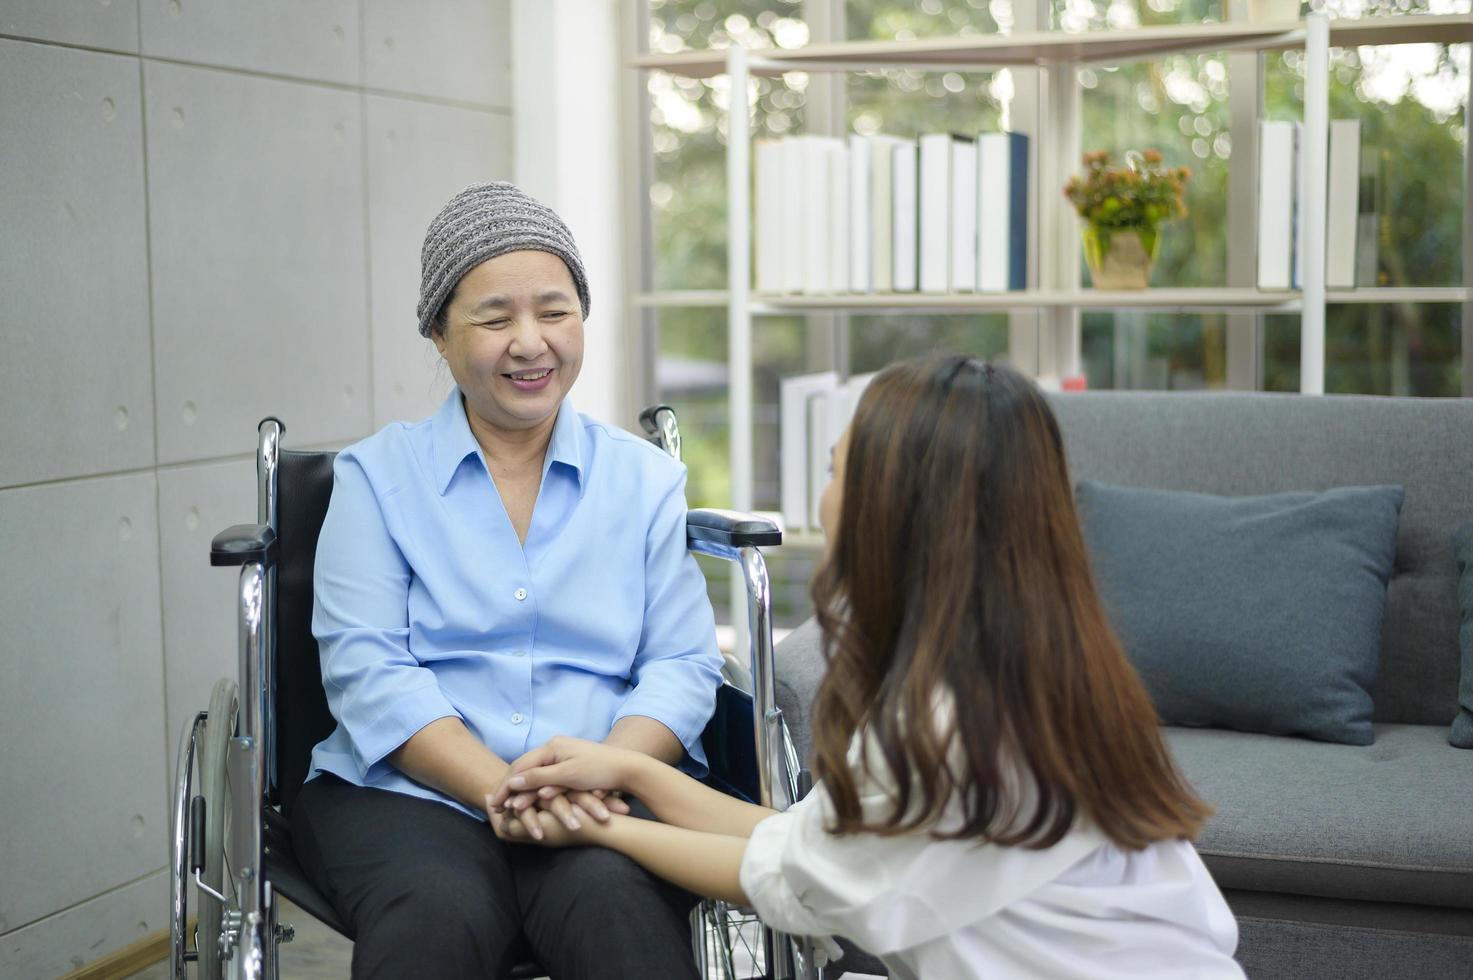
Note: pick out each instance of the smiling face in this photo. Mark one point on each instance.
(512, 334)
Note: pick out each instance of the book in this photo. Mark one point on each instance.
(1342, 204)
(815, 205)
(1276, 179)
(817, 450)
(852, 390)
(767, 237)
(1002, 212)
(963, 274)
(793, 463)
(838, 211)
(861, 213)
(794, 228)
(882, 211)
(827, 407)
(905, 220)
(934, 208)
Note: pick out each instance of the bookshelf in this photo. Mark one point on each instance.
(1054, 241)
(1191, 300)
(1037, 49)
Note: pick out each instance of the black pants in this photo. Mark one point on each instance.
(431, 892)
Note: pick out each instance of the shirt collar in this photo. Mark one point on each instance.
(453, 441)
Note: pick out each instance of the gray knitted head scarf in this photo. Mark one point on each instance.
(480, 223)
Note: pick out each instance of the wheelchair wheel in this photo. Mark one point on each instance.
(736, 673)
(739, 947)
(215, 786)
(734, 948)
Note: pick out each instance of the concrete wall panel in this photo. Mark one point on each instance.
(195, 504)
(110, 24)
(71, 939)
(260, 292)
(463, 52)
(317, 40)
(76, 390)
(81, 705)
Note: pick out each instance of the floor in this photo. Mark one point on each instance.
(318, 953)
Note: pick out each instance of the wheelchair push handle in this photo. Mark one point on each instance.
(196, 835)
(649, 419)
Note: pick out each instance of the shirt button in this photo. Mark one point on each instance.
(517, 718)
(519, 653)
(520, 594)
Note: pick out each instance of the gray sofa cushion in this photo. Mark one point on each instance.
(1238, 444)
(1462, 735)
(1390, 822)
(1257, 613)
(799, 669)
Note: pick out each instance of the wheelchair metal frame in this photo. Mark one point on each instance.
(250, 933)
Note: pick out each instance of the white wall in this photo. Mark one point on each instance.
(565, 85)
(211, 211)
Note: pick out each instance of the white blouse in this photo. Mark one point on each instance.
(942, 909)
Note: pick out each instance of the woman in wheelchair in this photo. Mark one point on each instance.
(502, 573)
(994, 796)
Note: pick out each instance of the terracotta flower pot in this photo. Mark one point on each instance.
(1120, 258)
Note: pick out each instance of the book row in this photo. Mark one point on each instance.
(813, 411)
(949, 214)
(1351, 207)
(880, 214)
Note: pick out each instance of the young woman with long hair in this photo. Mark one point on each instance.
(994, 797)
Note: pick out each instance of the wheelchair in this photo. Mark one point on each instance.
(242, 761)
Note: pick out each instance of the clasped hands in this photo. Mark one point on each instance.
(560, 793)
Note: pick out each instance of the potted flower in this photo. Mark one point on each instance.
(1123, 209)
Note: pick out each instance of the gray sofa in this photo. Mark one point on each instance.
(1340, 861)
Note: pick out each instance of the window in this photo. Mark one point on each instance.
(1410, 100)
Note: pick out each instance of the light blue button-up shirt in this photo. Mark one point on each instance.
(427, 606)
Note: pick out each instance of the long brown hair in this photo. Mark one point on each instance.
(959, 568)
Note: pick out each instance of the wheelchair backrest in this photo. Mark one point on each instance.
(304, 486)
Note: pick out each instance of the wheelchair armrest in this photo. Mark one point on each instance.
(242, 543)
(731, 528)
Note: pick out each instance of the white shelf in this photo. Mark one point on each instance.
(1042, 48)
(683, 298)
(1207, 299)
(1145, 299)
(1400, 294)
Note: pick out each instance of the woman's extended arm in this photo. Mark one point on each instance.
(672, 796)
(704, 863)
